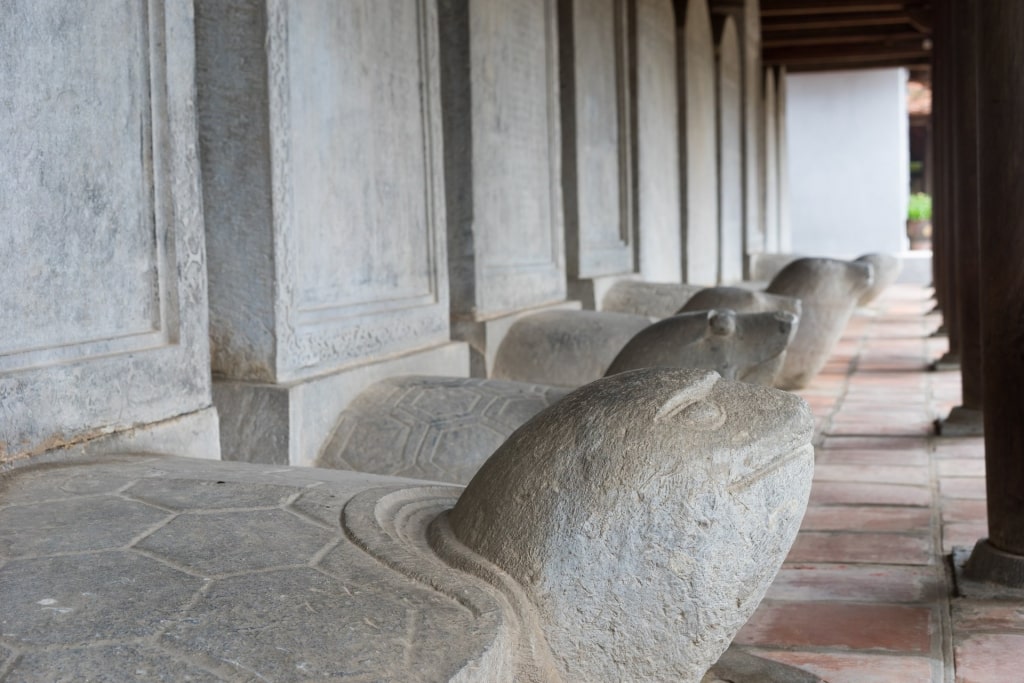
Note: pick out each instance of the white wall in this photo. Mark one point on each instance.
(848, 161)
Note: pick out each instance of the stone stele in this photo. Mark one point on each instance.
(652, 299)
(746, 346)
(641, 518)
(435, 428)
(564, 348)
(828, 290)
(741, 300)
(886, 269)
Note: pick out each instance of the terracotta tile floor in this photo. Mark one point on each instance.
(866, 594)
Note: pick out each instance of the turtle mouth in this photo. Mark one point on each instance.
(769, 467)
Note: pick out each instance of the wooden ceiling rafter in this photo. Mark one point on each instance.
(814, 35)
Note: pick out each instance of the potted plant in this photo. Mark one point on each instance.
(919, 221)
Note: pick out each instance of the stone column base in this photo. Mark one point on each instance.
(987, 573)
(485, 336)
(962, 422)
(590, 291)
(948, 361)
(288, 424)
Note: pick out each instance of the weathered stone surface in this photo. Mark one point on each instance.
(750, 347)
(698, 128)
(435, 428)
(885, 268)
(632, 515)
(99, 174)
(659, 200)
(597, 137)
(828, 290)
(564, 348)
(742, 301)
(651, 299)
(502, 146)
(737, 666)
(324, 206)
(125, 662)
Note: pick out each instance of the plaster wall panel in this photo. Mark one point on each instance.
(657, 143)
(770, 157)
(753, 102)
(503, 155)
(321, 137)
(700, 155)
(785, 217)
(848, 154)
(102, 272)
(730, 152)
(597, 129)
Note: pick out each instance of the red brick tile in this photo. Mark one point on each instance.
(875, 442)
(962, 534)
(960, 448)
(962, 487)
(964, 510)
(857, 582)
(892, 628)
(855, 493)
(977, 615)
(866, 518)
(872, 473)
(961, 467)
(849, 456)
(990, 658)
(860, 668)
(837, 546)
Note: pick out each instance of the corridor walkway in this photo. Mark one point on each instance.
(866, 594)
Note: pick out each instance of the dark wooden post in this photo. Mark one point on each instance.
(966, 419)
(1000, 558)
(944, 234)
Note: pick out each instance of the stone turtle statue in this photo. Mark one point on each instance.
(634, 526)
(650, 299)
(828, 290)
(750, 347)
(886, 268)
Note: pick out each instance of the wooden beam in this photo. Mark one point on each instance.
(840, 54)
(846, 36)
(782, 8)
(815, 22)
(917, 63)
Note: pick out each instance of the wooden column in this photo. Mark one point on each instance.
(1000, 558)
(966, 419)
(944, 204)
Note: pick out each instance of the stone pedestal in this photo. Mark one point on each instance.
(325, 210)
(962, 421)
(103, 292)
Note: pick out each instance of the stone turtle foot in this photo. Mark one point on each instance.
(738, 666)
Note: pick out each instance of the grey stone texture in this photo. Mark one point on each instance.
(288, 424)
(103, 300)
(564, 348)
(595, 43)
(659, 196)
(435, 428)
(885, 268)
(742, 300)
(698, 130)
(650, 299)
(601, 510)
(828, 290)
(502, 145)
(750, 347)
(729, 91)
(325, 206)
(770, 159)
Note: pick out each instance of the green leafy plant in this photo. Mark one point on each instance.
(919, 208)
